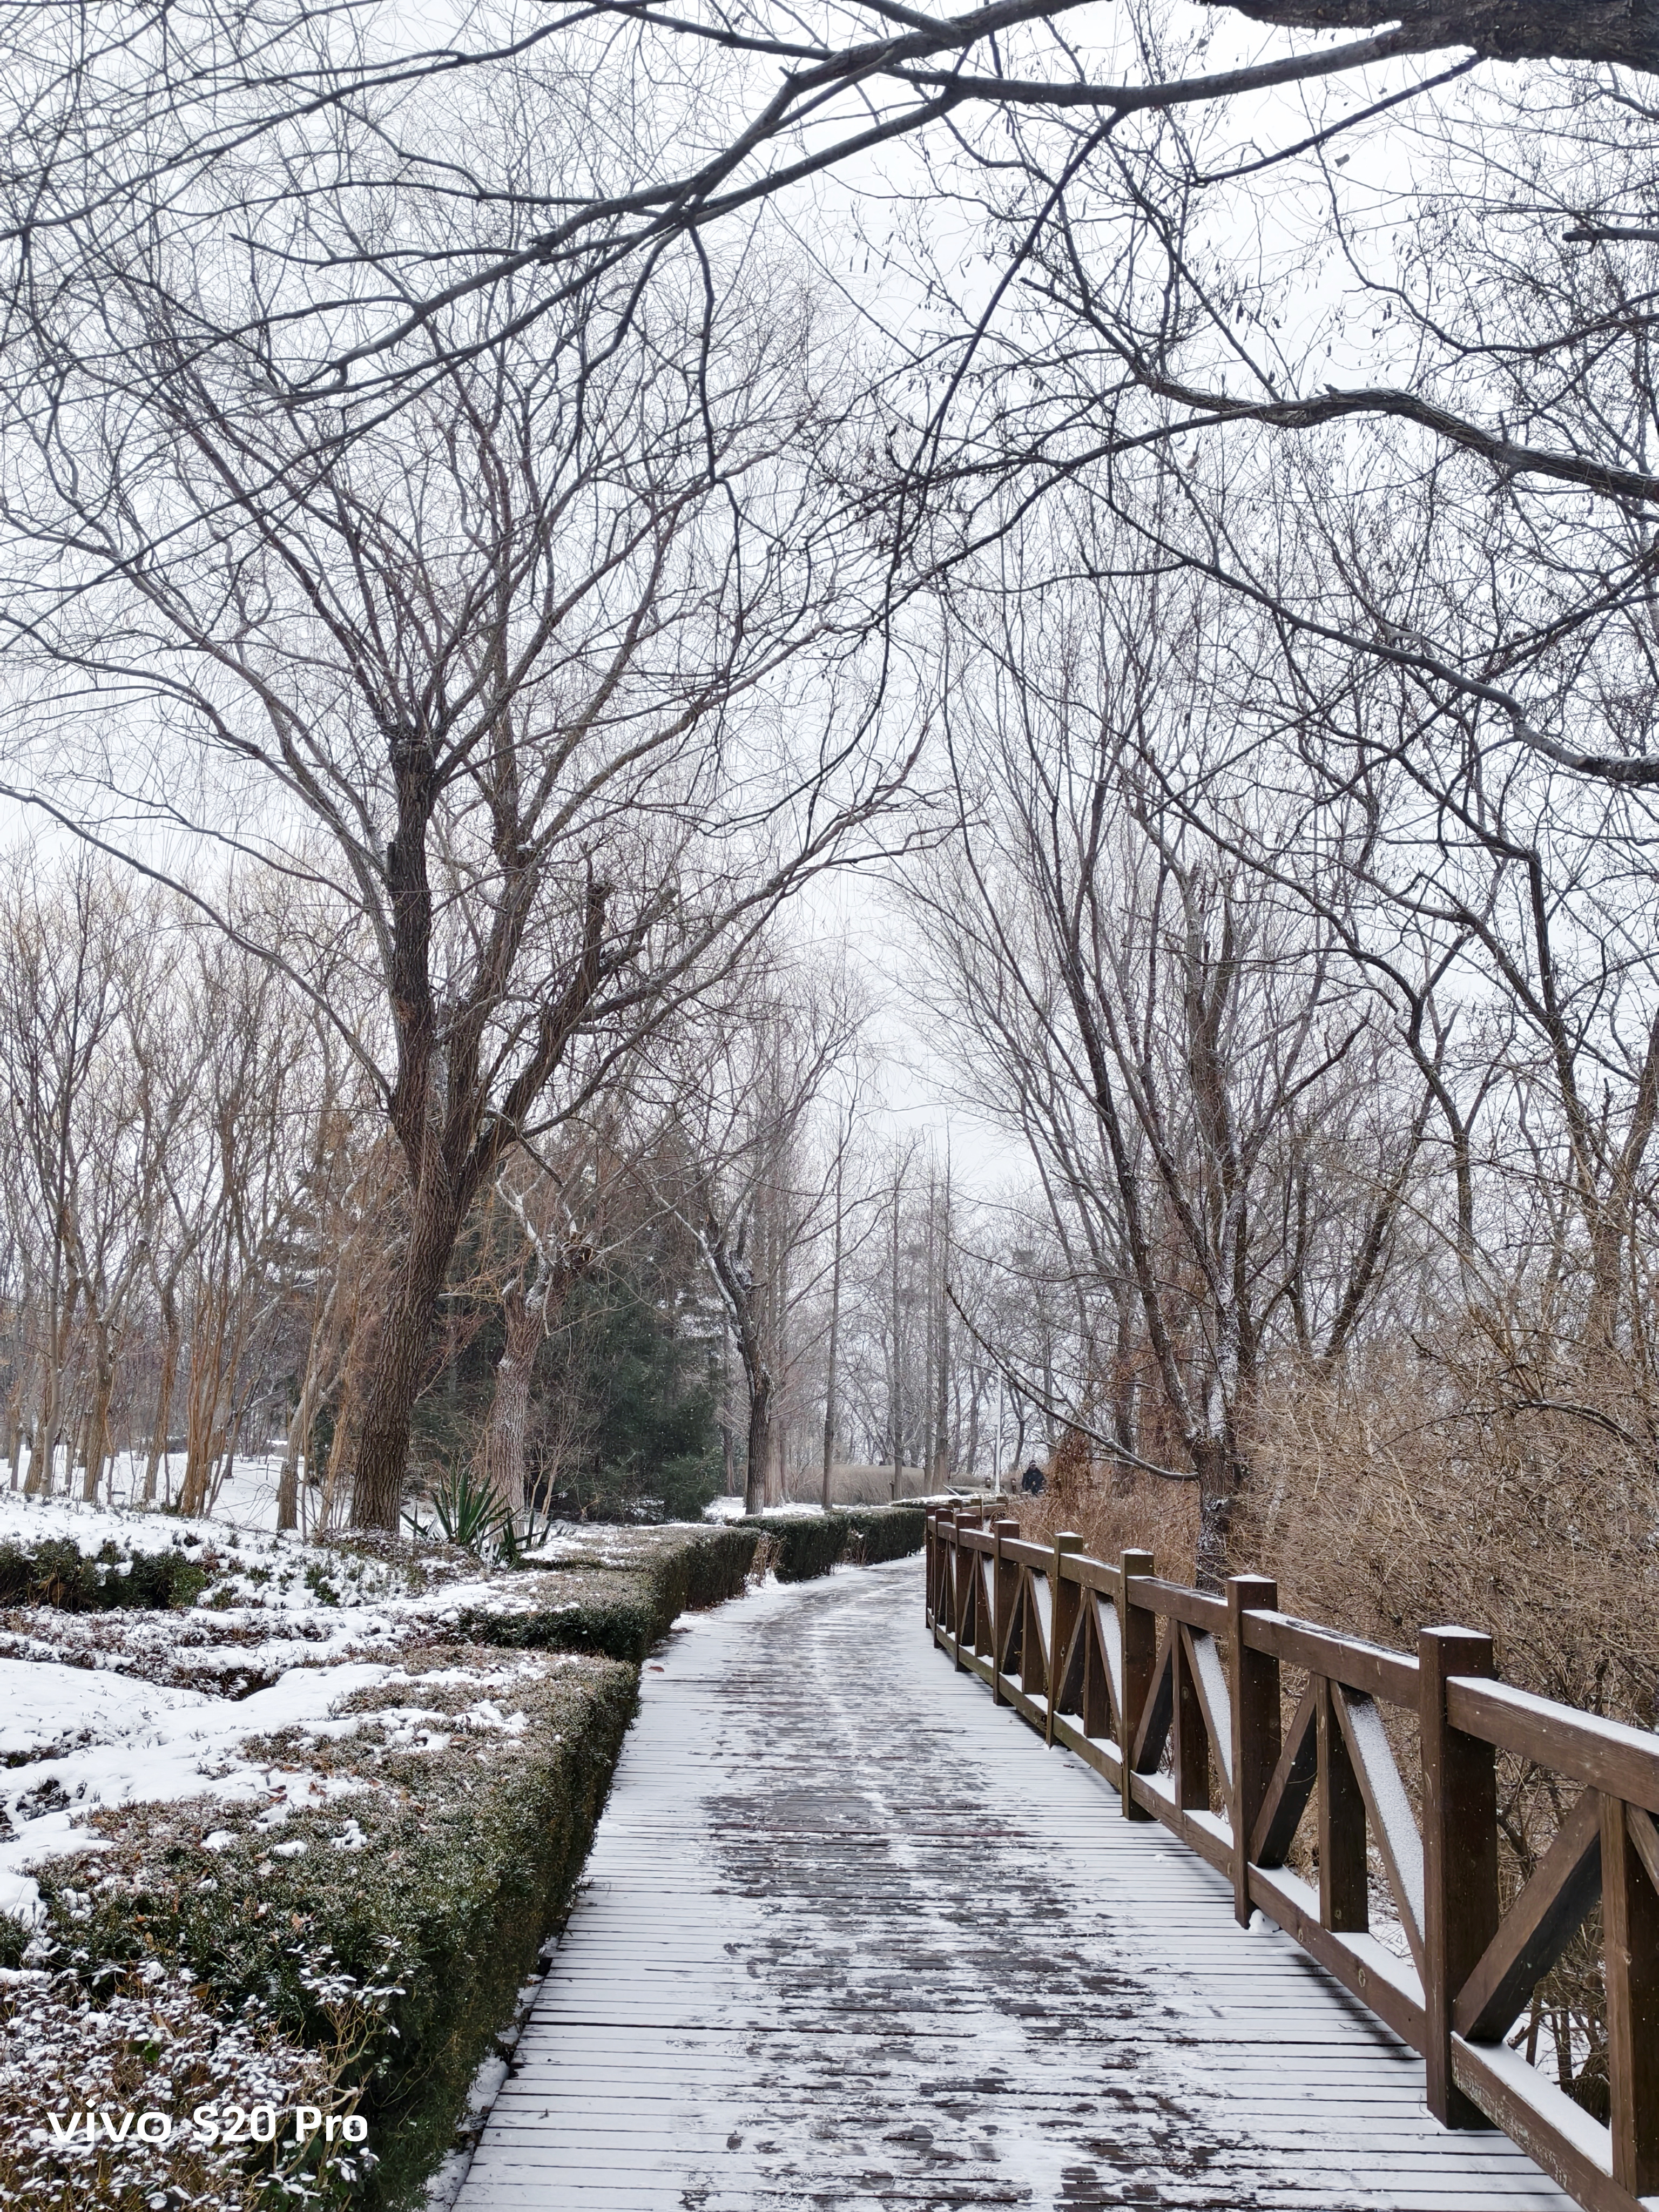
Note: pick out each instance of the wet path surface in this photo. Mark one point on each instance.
(850, 1937)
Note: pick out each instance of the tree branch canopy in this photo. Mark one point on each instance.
(1625, 33)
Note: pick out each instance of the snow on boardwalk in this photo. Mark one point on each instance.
(852, 1937)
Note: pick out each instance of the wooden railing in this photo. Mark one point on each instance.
(1122, 1669)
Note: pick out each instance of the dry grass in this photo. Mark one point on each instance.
(1113, 1515)
(1384, 1502)
(1113, 1512)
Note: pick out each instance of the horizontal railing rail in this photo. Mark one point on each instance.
(1175, 1697)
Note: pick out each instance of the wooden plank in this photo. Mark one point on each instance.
(1110, 1635)
(1530, 1937)
(1548, 2126)
(1360, 1962)
(1253, 1724)
(1387, 1809)
(1177, 1601)
(1138, 1661)
(1200, 1831)
(1214, 1697)
(1190, 1746)
(1292, 1783)
(1004, 1602)
(1100, 1754)
(1643, 1838)
(1158, 1714)
(1630, 1924)
(1622, 1762)
(1460, 1856)
(1063, 1601)
(1092, 1574)
(1381, 1674)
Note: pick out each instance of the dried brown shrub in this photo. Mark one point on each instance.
(1386, 1500)
(1410, 1490)
(1113, 1511)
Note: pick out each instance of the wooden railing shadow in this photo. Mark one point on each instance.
(1123, 1668)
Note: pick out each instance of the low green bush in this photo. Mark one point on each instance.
(887, 1532)
(56, 1573)
(617, 1612)
(690, 1577)
(809, 1544)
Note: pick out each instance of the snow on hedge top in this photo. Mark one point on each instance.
(101, 1739)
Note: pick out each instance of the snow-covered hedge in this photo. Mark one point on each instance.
(55, 1571)
(585, 1605)
(385, 1929)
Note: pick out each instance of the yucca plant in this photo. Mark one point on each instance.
(468, 1511)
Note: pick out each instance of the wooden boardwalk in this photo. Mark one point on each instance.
(850, 1937)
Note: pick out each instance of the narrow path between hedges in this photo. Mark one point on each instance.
(851, 1937)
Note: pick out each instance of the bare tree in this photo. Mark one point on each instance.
(284, 133)
(1166, 1027)
(748, 1185)
(514, 667)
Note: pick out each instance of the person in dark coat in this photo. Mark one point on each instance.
(1031, 1482)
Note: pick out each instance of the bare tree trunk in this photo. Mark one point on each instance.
(728, 1453)
(297, 1444)
(41, 1474)
(834, 1347)
(941, 1465)
(760, 1443)
(508, 1426)
(98, 1430)
(929, 1324)
(169, 1376)
(896, 1410)
(1220, 1478)
(395, 1376)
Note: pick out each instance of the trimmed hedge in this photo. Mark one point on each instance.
(617, 1612)
(887, 1532)
(55, 1571)
(810, 1545)
(416, 1939)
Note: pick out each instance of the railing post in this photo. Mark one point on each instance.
(1629, 1937)
(966, 1568)
(1190, 1739)
(1062, 1619)
(1344, 1889)
(1460, 1856)
(1138, 1627)
(1003, 1581)
(1255, 1726)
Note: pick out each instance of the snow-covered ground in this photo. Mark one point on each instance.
(246, 1499)
(100, 1709)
